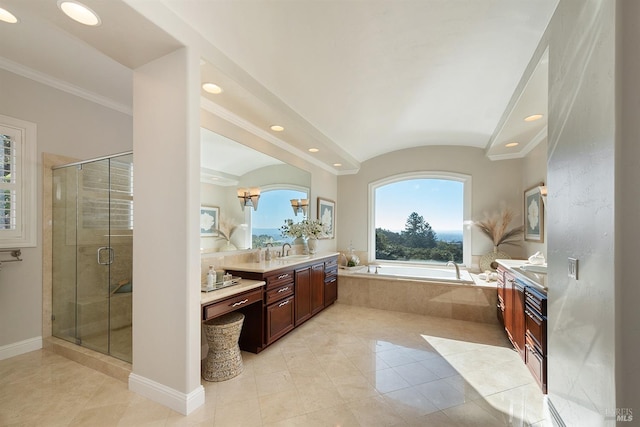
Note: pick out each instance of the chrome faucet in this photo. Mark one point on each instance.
(457, 268)
(284, 254)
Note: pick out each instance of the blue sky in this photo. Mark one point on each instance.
(274, 207)
(439, 201)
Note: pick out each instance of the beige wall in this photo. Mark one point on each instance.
(494, 182)
(69, 126)
(534, 171)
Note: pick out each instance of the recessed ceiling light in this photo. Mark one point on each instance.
(277, 128)
(337, 165)
(7, 16)
(512, 144)
(212, 88)
(79, 12)
(313, 150)
(533, 118)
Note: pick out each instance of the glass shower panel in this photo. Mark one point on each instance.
(121, 243)
(65, 195)
(94, 256)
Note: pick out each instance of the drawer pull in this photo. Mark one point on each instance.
(285, 289)
(283, 276)
(244, 301)
(282, 304)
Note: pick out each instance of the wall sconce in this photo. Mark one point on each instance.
(249, 197)
(543, 193)
(300, 206)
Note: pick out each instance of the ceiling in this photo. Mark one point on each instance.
(355, 79)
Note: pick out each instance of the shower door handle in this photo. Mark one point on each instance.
(111, 255)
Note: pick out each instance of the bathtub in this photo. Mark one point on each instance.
(431, 291)
(414, 272)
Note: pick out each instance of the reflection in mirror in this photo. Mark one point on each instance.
(227, 165)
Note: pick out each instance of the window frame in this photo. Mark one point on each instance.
(26, 233)
(248, 213)
(466, 181)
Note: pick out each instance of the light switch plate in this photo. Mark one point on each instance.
(573, 268)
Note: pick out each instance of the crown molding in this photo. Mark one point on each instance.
(55, 83)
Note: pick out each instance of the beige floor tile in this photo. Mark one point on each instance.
(386, 380)
(374, 411)
(409, 403)
(470, 414)
(354, 387)
(243, 413)
(280, 406)
(349, 366)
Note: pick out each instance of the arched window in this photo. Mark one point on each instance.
(273, 209)
(420, 217)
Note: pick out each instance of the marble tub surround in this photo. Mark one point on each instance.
(352, 366)
(475, 303)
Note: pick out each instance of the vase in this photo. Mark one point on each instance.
(487, 261)
(228, 247)
(313, 245)
(301, 243)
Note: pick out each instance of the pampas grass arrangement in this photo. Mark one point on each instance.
(495, 228)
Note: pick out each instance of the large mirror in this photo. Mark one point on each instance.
(227, 166)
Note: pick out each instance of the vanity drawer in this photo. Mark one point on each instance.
(331, 264)
(537, 365)
(279, 279)
(278, 293)
(536, 327)
(231, 304)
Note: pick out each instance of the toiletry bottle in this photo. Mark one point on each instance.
(267, 254)
(211, 278)
(257, 255)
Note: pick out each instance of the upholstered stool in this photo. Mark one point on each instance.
(224, 360)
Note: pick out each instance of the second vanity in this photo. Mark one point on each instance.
(522, 310)
(275, 296)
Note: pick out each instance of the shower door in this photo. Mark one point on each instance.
(92, 254)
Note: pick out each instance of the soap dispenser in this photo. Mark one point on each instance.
(211, 278)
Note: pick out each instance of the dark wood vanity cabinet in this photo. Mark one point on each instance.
(309, 291)
(330, 281)
(294, 294)
(280, 305)
(536, 335)
(522, 310)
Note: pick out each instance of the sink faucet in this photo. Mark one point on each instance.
(457, 268)
(284, 254)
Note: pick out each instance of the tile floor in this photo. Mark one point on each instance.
(348, 366)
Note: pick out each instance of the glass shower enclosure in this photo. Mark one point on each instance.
(92, 257)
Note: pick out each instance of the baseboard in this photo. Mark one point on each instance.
(18, 348)
(178, 401)
(555, 415)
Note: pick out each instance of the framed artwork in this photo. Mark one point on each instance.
(327, 215)
(209, 221)
(534, 215)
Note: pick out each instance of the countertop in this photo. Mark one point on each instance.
(535, 279)
(277, 263)
(220, 294)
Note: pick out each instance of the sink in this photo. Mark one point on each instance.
(291, 258)
(534, 268)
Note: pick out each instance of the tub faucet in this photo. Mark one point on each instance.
(457, 268)
(284, 254)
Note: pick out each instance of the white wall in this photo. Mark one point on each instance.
(69, 126)
(581, 208)
(494, 182)
(166, 244)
